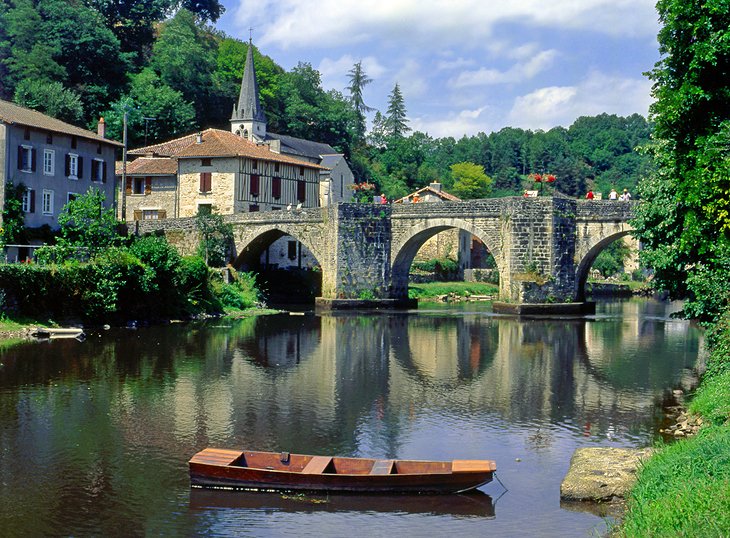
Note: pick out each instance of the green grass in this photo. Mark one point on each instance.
(684, 490)
(712, 399)
(12, 324)
(434, 289)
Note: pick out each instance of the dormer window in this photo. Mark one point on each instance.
(254, 164)
(205, 162)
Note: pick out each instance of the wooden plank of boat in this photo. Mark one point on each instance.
(57, 332)
(267, 471)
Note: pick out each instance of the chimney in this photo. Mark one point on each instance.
(199, 139)
(436, 186)
(101, 128)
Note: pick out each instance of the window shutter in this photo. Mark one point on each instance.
(103, 172)
(206, 183)
(31, 192)
(276, 188)
(137, 214)
(162, 214)
(80, 172)
(301, 190)
(254, 184)
(128, 186)
(32, 159)
(20, 157)
(147, 185)
(68, 165)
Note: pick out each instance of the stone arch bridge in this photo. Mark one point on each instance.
(543, 247)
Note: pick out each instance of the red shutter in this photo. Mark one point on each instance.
(301, 190)
(147, 185)
(128, 186)
(276, 188)
(254, 184)
(32, 200)
(206, 181)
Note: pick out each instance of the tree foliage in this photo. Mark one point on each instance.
(85, 223)
(396, 123)
(50, 98)
(358, 80)
(685, 223)
(470, 181)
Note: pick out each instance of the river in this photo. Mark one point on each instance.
(95, 435)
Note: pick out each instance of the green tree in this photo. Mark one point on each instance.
(396, 122)
(50, 98)
(13, 217)
(85, 223)
(684, 219)
(358, 81)
(216, 237)
(470, 181)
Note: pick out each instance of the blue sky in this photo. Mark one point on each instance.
(466, 66)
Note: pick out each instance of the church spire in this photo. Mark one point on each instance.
(248, 118)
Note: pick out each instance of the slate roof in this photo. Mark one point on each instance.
(13, 114)
(300, 146)
(330, 161)
(149, 166)
(249, 106)
(218, 143)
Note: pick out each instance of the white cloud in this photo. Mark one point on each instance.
(467, 122)
(335, 72)
(517, 73)
(327, 23)
(597, 93)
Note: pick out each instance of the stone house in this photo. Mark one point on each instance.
(55, 160)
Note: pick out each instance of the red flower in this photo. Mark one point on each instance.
(537, 178)
(551, 178)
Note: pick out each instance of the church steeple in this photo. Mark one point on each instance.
(248, 119)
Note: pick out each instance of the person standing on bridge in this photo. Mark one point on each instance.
(625, 196)
(589, 194)
(383, 198)
(613, 195)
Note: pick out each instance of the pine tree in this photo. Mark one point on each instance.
(396, 121)
(358, 81)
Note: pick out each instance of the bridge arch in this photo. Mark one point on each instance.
(589, 255)
(404, 250)
(250, 244)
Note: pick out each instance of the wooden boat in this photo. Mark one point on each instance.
(271, 471)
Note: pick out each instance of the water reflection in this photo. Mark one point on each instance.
(95, 436)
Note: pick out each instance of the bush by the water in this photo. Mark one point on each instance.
(147, 280)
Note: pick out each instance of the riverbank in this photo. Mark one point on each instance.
(435, 290)
(684, 489)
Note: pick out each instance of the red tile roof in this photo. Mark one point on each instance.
(218, 143)
(429, 190)
(13, 114)
(149, 166)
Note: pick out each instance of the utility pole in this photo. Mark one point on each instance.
(146, 123)
(124, 168)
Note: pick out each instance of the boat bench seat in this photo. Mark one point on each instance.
(382, 467)
(317, 465)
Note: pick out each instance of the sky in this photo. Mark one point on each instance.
(468, 66)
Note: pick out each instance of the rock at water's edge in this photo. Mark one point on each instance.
(602, 474)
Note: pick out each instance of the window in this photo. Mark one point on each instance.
(292, 250)
(26, 159)
(49, 162)
(29, 201)
(74, 166)
(150, 214)
(98, 170)
(47, 202)
(71, 196)
(74, 142)
(206, 181)
(254, 185)
(253, 208)
(276, 188)
(205, 162)
(301, 170)
(276, 167)
(275, 208)
(301, 190)
(98, 148)
(49, 138)
(205, 209)
(254, 164)
(138, 185)
(26, 134)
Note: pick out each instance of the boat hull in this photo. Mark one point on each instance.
(440, 479)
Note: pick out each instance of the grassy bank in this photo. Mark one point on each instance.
(431, 290)
(684, 490)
